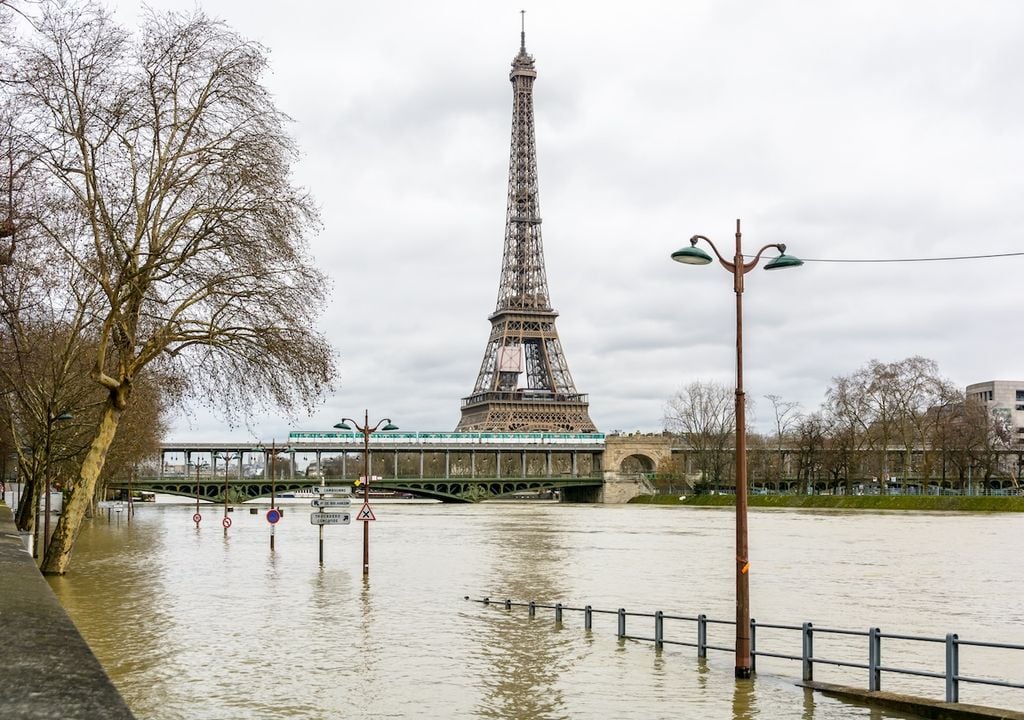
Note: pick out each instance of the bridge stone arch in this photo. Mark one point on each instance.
(626, 461)
(649, 451)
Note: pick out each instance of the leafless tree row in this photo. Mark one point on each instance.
(158, 247)
(884, 421)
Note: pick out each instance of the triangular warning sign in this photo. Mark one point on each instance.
(366, 514)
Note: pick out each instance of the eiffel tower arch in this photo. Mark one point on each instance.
(524, 382)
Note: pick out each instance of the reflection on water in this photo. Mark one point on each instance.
(528, 659)
(744, 700)
(194, 625)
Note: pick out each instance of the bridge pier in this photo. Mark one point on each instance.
(620, 488)
(581, 495)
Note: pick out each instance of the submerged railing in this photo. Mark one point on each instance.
(874, 665)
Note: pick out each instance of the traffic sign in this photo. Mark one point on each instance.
(226, 522)
(197, 518)
(273, 515)
(330, 502)
(365, 513)
(323, 490)
(330, 518)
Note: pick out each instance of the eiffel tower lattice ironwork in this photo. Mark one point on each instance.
(524, 382)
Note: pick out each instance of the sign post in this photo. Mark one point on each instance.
(327, 517)
(330, 518)
(273, 517)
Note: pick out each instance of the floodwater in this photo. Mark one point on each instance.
(196, 624)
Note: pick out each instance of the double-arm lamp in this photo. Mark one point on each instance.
(693, 255)
(367, 430)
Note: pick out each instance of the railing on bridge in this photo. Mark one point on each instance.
(355, 439)
(459, 466)
(807, 632)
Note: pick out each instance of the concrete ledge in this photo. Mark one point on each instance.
(913, 704)
(46, 669)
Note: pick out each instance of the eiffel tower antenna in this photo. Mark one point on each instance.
(524, 382)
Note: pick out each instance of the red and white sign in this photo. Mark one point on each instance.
(365, 513)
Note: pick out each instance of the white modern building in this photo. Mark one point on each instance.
(1004, 398)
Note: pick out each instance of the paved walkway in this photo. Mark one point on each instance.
(911, 703)
(46, 669)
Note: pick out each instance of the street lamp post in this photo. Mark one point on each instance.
(367, 431)
(695, 256)
(227, 458)
(196, 517)
(273, 452)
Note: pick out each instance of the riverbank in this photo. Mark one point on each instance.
(46, 668)
(938, 503)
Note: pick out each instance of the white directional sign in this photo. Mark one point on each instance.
(330, 502)
(330, 518)
(323, 490)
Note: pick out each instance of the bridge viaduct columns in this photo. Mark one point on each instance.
(625, 462)
(388, 462)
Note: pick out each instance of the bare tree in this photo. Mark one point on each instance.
(888, 408)
(177, 161)
(963, 434)
(810, 437)
(918, 388)
(786, 417)
(848, 417)
(704, 415)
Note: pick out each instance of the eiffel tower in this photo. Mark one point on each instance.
(524, 382)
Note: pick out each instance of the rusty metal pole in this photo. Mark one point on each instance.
(366, 489)
(227, 464)
(197, 517)
(273, 467)
(131, 505)
(743, 665)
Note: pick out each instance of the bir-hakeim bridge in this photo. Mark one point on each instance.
(471, 467)
(447, 466)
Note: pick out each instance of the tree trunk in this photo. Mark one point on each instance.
(80, 493)
(26, 517)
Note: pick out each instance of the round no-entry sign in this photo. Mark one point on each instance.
(196, 518)
(273, 515)
(226, 522)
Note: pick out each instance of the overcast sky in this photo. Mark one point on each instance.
(867, 130)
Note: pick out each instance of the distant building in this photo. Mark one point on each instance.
(1004, 398)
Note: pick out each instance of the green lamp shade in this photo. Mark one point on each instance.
(342, 426)
(784, 261)
(691, 256)
(390, 426)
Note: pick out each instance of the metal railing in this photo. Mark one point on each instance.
(874, 665)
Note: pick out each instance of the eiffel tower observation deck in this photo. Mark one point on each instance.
(524, 382)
